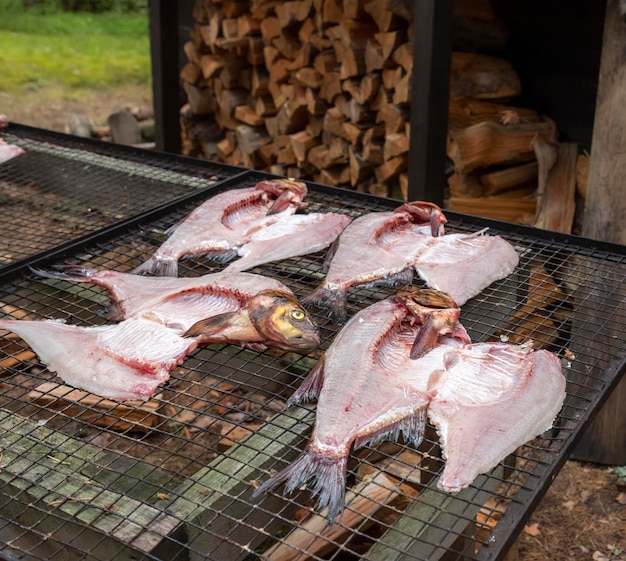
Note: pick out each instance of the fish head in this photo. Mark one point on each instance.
(282, 322)
(436, 313)
(423, 212)
(436, 306)
(288, 192)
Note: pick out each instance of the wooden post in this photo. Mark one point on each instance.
(605, 208)
(432, 48)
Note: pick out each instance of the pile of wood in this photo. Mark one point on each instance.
(321, 90)
(315, 89)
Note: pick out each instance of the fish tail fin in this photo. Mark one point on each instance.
(328, 473)
(158, 265)
(333, 299)
(70, 273)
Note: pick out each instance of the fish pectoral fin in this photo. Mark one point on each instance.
(411, 426)
(311, 386)
(426, 339)
(212, 325)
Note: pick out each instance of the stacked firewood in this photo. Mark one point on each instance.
(321, 90)
(315, 89)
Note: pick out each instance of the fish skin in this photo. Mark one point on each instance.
(382, 399)
(490, 399)
(221, 224)
(387, 248)
(124, 361)
(292, 236)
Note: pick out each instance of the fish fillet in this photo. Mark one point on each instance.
(490, 399)
(291, 236)
(177, 302)
(125, 361)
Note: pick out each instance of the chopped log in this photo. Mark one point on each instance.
(555, 209)
(248, 115)
(394, 117)
(582, 174)
(313, 536)
(335, 175)
(500, 181)
(396, 144)
(483, 77)
(124, 128)
(293, 12)
(331, 87)
(390, 169)
(363, 89)
(128, 416)
(250, 139)
(301, 143)
(465, 112)
(487, 144)
(497, 207)
(360, 170)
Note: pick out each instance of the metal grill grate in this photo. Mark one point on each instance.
(65, 187)
(173, 479)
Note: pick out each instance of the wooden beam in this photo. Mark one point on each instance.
(432, 51)
(164, 50)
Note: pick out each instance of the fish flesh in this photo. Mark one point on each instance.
(291, 236)
(489, 399)
(387, 248)
(251, 310)
(364, 396)
(9, 151)
(416, 362)
(125, 361)
(224, 222)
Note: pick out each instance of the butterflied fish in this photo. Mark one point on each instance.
(366, 392)
(416, 361)
(225, 222)
(387, 248)
(298, 234)
(124, 361)
(240, 308)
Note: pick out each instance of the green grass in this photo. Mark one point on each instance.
(71, 50)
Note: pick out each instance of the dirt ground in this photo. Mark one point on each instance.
(583, 515)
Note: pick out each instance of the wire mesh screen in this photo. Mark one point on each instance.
(172, 478)
(60, 190)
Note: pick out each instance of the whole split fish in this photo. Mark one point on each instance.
(387, 248)
(416, 360)
(224, 222)
(251, 310)
(125, 361)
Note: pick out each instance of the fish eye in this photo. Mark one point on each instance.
(297, 315)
